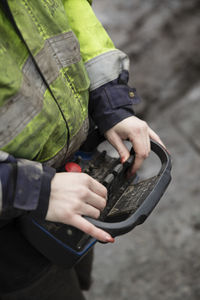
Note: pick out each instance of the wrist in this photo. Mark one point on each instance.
(112, 102)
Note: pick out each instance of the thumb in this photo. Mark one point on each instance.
(118, 144)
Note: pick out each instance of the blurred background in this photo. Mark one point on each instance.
(159, 260)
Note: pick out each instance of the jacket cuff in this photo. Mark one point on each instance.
(24, 187)
(106, 67)
(43, 203)
(112, 102)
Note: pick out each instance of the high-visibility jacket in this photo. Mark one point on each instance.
(51, 54)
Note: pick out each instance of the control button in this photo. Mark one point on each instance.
(72, 167)
(117, 169)
(108, 180)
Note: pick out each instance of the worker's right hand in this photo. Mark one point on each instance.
(74, 195)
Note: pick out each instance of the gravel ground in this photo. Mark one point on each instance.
(161, 258)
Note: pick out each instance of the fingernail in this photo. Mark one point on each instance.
(123, 159)
(110, 239)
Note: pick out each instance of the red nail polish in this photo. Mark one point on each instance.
(123, 160)
(110, 239)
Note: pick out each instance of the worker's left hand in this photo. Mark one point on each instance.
(138, 133)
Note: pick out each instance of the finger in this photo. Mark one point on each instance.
(96, 201)
(84, 225)
(118, 144)
(147, 144)
(137, 164)
(141, 146)
(155, 137)
(90, 211)
(98, 188)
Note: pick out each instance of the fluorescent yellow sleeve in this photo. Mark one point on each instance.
(92, 36)
(103, 61)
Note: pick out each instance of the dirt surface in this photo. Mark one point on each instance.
(161, 258)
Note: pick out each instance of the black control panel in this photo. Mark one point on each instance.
(129, 203)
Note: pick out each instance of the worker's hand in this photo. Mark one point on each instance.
(74, 195)
(138, 133)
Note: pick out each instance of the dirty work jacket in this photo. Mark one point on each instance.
(52, 54)
(44, 98)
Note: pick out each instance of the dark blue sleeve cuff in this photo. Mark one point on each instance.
(112, 102)
(43, 203)
(25, 187)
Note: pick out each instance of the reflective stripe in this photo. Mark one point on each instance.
(20, 109)
(30, 71)
(106, 67)
(3, 156)
(29, 177)
(59, 52)
(66, 48)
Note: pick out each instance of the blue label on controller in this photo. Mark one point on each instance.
(83, 155)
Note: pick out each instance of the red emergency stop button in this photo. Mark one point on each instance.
(72, 167)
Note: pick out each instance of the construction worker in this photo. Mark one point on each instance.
(57, 63)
